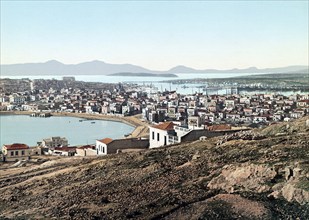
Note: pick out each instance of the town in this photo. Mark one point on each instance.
(166, 117)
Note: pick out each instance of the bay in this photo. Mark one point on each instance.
(156, 82)
(116, 79)
(30, 130)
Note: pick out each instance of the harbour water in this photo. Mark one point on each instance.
(116, 79)
(30, 130)
(154, 81)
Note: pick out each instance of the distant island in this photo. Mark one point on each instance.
(144, 74)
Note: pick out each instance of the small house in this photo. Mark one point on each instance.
(15, 152)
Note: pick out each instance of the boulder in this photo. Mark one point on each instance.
(249, 177)
(292, 193)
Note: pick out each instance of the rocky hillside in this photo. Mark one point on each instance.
(260, 174)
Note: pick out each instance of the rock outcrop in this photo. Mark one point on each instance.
(247, 177)
(242, 135)
(260, 178)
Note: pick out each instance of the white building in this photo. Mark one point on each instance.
(195, 122)
(229, 102)
(101, 146)
(17, 99)
(88, 109)
(166, 133)
(55, 142)
(159, 134)
(105, 109)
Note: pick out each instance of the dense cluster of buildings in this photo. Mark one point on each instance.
(199, 111)
(196, 110)
(111, 100)
(173, 118)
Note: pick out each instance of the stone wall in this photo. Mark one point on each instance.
(131, 143)
(86, 152)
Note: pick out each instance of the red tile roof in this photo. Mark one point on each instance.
(16, 146)
(106, 140)
(86, 147)
(165, 126)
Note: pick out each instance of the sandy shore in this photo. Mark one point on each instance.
(141, 128)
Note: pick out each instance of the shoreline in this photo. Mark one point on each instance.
(140, 128)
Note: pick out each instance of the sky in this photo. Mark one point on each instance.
(157, 35)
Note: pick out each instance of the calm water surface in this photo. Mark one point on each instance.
(30, 130)
(157, 81)
(154, 81)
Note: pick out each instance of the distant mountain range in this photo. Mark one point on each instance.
(96, 67)
(288, 69)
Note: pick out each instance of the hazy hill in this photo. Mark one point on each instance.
(54, 67)
(261, 174)
(288, 69)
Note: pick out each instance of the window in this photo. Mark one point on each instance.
(16, 153)
(164, 140)
(12, 153)
(153, 135)
(102, 149)
(22, 152)
(158, 137)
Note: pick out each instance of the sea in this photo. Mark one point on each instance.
(78, 131)
(155, 82)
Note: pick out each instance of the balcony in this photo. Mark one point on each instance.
(182, 129)
(173, 139)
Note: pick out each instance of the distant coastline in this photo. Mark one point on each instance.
(143, 74)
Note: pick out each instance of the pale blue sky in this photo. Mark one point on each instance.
(157, 34)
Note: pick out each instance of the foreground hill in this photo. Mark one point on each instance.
(260, 174)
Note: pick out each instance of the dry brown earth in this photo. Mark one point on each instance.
(235, 179)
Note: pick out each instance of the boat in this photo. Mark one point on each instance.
(92, 122)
